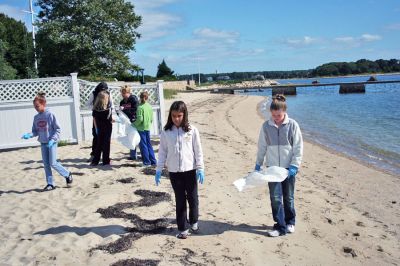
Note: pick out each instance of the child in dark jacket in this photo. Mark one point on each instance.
(46, 128)
(102, 120)
(129, 105)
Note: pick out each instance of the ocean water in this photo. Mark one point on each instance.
(363, 126)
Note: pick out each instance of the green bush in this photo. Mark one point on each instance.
(169, 94)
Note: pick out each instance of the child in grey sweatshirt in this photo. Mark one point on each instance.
(46, 128)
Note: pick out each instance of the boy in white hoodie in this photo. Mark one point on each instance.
(180, 150)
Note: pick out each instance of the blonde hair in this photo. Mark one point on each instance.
(144, 96)
(101, 101)
(125, 89)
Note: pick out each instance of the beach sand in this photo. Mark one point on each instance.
(347, 213)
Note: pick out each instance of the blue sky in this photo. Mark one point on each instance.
(227, 36)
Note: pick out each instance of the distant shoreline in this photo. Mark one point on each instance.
(350, 76)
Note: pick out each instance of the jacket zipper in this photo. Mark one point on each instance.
(279, 151)
(179, 151)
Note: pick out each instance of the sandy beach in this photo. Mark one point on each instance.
(347, 213)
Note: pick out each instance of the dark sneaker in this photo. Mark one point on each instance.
(69, 179)
(49, 187)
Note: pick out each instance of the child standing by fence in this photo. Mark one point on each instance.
(102, 86)
(45, 126)
(128, 105)
(281, 144)
(144, 119)
(180, 150)
(102, 120)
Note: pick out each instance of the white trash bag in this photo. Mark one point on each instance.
(127, 135)
(260, 178)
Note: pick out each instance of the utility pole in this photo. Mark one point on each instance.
(33, 31)
(198, 69)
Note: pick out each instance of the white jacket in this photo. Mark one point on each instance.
(180, 151)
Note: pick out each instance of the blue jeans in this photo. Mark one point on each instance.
(146, 149)
(282, 203)
(132, 154)
(49, 157)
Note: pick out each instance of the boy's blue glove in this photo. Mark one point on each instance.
(158, 177)
(27, 136)
(258, 167)
(292, 171)
(51, 143)
(200, 175)
(97, 131)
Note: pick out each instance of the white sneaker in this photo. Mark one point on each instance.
(290, 228)
(273, 233)
(194, 227)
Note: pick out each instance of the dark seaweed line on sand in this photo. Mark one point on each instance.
(142, 227)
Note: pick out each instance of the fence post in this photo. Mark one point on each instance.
(160, 90)
(77, 106)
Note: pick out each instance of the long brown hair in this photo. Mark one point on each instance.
(180, 107)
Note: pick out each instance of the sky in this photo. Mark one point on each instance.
(226, 36)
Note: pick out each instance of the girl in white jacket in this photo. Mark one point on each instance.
(180, 151)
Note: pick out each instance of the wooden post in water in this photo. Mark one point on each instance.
(284, 90)
(352, 88)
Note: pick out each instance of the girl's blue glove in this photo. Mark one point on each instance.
(292, 171)
(51, 143)
(27, 136)
(200, 175)
(258, 167)
(158, 177)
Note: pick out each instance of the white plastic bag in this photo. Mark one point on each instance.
(127, 135)
(260, 178)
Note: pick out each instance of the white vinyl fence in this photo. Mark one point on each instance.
(66, 98)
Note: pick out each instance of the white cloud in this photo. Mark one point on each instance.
(305, 41)
(370, 38)
(13, 12)
(207, 33)
(344, 39)
(205, 39)
(352, 42)
(156, 23)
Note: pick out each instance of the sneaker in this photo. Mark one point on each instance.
(69, 179)
(273, 233)
(194, 228)
(290, 228)
(183, 235)
(90, 159)
(49, 187)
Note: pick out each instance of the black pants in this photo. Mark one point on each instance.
(103, 144)
(94, 141)
(185, 189)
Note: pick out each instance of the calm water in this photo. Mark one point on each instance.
(365, 126)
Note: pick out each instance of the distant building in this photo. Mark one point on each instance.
(209, 79)
(258, 77)
(223, 78)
